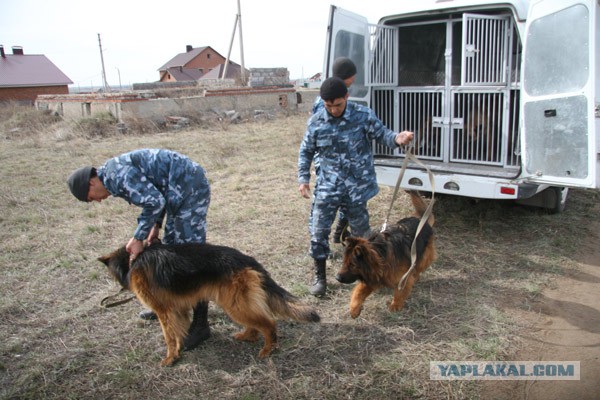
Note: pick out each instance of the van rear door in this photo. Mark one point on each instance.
(558, 106)
(347, 36)
(373, 48)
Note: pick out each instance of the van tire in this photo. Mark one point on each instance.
(556, 199)
(553, 199)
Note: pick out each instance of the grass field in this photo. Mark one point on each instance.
(59, 343)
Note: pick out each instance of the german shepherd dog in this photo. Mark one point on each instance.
(480, 127)
(382, 259)
(171, 279)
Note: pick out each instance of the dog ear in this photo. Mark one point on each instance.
(357, 249)
(104, 259)
(350, 242)
(368, 260)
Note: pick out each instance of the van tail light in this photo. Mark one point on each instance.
(507, 190)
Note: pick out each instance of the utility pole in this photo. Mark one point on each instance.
(243, 72)
(106, 88)
(238, 21)
(119, 72)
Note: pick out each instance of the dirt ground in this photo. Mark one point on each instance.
(563, 324)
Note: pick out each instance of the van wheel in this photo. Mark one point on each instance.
(556, 199)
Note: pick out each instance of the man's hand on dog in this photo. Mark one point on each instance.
(134, 247)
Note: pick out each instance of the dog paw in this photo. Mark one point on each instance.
(266, 351)
(168, 361)
(355, 312)
(395, 307)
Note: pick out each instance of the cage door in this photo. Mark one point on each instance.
(383, 70)
(485, 50)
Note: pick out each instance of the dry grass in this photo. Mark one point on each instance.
(58, 343)
(20, 121)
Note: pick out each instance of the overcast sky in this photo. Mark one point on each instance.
(139, 36)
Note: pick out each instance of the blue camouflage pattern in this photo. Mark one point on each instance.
(341, 150)
(318, 105)
(161, 182)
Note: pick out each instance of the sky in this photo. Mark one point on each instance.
(139, 36)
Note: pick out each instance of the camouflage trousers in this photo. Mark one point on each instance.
(323, 212)
(187, 224)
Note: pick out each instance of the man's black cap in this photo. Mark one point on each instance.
(79, 182)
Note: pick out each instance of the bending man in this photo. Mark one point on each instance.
(163, 183)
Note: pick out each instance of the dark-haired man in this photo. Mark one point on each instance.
(338, 138)
(163, 183)
(345, 69)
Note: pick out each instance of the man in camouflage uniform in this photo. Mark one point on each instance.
(345, 69)
(162, 182)
(338, 138)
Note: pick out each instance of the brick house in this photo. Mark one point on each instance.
(195, 63)
(24, 77)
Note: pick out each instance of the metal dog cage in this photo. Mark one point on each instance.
(462, 105)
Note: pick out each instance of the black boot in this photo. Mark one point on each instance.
(147, 315)
(341, 230)
(199, 330)
(319, 284)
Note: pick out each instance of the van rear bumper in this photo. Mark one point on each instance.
(475, 186)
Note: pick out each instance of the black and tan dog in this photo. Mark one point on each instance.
(171, 279)
(382, 259)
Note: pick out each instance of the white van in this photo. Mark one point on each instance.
(502, 95)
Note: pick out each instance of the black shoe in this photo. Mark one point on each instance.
(199, 330)
(319, 284)
(148, 315)
(318, 287)
(193, 339)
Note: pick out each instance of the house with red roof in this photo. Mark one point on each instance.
(197, 63)
(25, 76)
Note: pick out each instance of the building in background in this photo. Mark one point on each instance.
(197, 63)
(25, 76)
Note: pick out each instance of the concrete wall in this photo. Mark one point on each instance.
(269, 77)
(288, 101)
(199, 84)
(245, 102)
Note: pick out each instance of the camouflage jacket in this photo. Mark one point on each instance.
(318, 105)
(341, 147)
(154, 179)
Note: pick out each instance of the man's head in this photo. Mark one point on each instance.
(344, 69)
(334, 94)
(85, 185)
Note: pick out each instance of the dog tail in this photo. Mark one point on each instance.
(420, 206)
(285, 305)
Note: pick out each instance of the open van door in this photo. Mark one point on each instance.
(560, 133)
(348, 36)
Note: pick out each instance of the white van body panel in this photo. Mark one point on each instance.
(560, 136)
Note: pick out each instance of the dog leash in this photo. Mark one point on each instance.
(104, 303)
(409, 156)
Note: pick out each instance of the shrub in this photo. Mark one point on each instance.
(99, 125)
(18, 121)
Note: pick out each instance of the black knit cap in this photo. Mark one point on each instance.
(343, 68)
(79, 182)
(333, 88)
